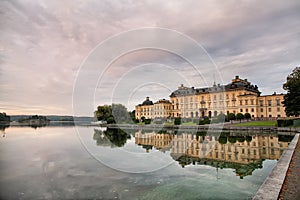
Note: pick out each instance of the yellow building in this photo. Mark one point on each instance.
(239, 96)
(149, 110)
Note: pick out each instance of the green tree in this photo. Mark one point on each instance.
(247, 116)
(177, 121)
(132, 115)
(240, 116)
(231, 116)
(147, 121)
(4, 118)
(104, 113)
(292, 98)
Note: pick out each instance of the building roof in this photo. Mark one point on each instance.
(236, 84)
(147, 102)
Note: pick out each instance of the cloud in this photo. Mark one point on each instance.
(43, 43)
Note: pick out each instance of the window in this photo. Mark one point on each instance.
(261, 110)
(278, 102)
(246, 102)
(270, 109)
(261, 102)
(241, 102)
(246, 109)
(269, 102)
(215, 97)
(278, 109)
(227, 96)
(270, 115)
(252, 101)
(272, 152)
(252, 109)
(241, 110)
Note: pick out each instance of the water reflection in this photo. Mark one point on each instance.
(243, 153)
(111, 137)
(3, 126)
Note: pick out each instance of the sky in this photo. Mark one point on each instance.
(67, 57)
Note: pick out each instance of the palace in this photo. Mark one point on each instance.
(239, 96)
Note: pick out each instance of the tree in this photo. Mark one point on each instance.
(231, 116)
(4, 118)
(103, 113)
(177, 121)
(247, 116)
(240, 116)
(120, 114)
(292, 98)
(115, 113)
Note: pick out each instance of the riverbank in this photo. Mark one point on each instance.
(210, 127)
(290, 188)
(272, 186)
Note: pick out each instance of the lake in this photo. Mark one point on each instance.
(104, 163)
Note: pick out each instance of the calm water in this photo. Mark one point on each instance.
(93, 163)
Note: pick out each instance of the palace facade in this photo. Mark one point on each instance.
(239, 96)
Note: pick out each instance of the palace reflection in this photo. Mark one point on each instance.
(242, 153)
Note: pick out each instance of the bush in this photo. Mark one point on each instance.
(204, 121)
(284, 122)
(177, 121)
(147, 121)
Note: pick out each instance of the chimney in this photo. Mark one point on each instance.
(147, 98)
(237, 77)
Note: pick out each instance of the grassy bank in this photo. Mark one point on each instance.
(258, 123)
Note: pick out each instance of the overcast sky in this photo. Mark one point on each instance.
(44, 46)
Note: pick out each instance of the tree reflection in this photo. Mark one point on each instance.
(3, 126)
(113, 137)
